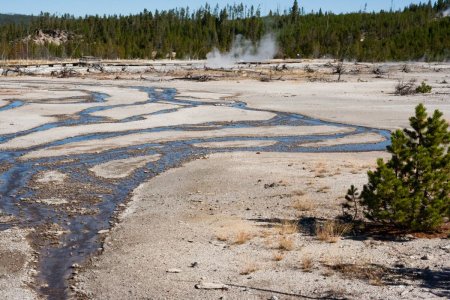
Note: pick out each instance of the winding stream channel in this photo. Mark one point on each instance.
(68, 233)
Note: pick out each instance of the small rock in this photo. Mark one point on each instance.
(404, 292)
(446, 248)
(211, 286)
(410, 237)
(274, 298)
(174, 270)
(426, 257)
(103, 231)
(194, 264)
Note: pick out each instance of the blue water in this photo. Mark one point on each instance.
(12, 105)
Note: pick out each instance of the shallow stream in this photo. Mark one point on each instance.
(67, 234)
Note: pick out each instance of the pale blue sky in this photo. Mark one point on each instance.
(82, 7)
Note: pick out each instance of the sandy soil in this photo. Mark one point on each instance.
(120, 113)
(122, 168)
(171, 239)
(359, 98)
(16, 265)
(353, 139)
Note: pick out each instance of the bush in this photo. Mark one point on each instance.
(423, 88)
(405, 88)
(412, 190)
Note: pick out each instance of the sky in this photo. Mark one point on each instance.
(124, 7)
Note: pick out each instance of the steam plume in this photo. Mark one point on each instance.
(243, 50)
(446, 12)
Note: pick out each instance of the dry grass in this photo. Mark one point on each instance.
(321, 170)
(303, 204)
(331, 231)
(364, 271)
(298, 193)
(265, 234)
(288, 227)
(278, 256)
(337, 292)
(223, 237)
(324, 189)
(306, 263)
(249, 268)
(242, 237)
(286, 243)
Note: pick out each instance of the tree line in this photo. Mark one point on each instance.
(417, 32)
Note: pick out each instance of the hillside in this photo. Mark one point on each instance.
(15, 19)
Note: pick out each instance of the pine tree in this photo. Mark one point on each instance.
(295, 11)
(412, 190)
(350, 207)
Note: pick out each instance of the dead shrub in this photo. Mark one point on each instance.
(379, 71)
(406, 68)
(308, 69)
(405, 88)
(339, 69)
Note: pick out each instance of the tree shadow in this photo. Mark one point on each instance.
(438, 281)
(306, 225)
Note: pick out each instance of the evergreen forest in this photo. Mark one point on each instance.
(417, 32)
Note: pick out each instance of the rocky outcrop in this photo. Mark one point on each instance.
(49, 36)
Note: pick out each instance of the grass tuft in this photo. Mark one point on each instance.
(331, 231)
(242, 237)
(306, 263)
(286, 243)
(278, 256)
(249, 268)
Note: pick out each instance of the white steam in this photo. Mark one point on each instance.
(243, 50)
(446, 12)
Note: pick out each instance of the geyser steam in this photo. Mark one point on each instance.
(446, 13)
(243, 50)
